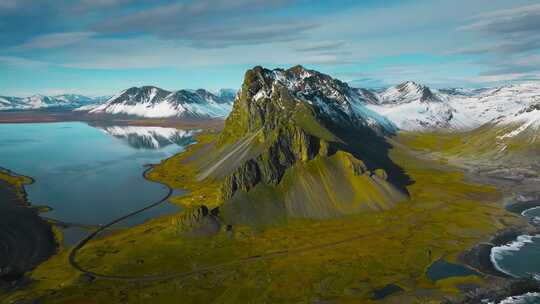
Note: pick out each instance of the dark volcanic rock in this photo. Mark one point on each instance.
(25, 238)
(498, 292)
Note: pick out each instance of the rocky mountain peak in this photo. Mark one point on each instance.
(144, 94)
(283, 120)
(268, 96)
(408, 92)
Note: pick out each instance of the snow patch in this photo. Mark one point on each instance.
(528, 298)
(413, 108)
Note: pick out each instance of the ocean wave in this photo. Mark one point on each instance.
(528, 298)
(524, 212)
(499, 252)
(535, 221)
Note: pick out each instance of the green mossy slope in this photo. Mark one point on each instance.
(277, 145)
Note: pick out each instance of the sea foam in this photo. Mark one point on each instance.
(531, 297)
(498, 252)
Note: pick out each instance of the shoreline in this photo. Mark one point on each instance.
(31, 180)
(44, 116)
(73, 253)
(501, 284)
(479, 257)
(27, 238)
(522, 206)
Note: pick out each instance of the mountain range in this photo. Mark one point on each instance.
(413, 107)
(153, 102)
(65, 101)
(408, 106)
(146, 101)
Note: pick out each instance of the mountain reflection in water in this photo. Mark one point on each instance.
(150, 137)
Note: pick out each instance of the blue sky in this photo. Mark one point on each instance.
(98, 47)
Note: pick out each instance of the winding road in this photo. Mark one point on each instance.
(80, 245)
(73, 262)
(73, 254)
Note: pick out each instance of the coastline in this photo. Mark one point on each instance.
(522, 206)
(28, 238)
(28, 181)
(50, 116)
(501, 285)
(479, 256)
(92, 235)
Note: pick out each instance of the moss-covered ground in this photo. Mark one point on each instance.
(338, 260)
(17, 181)
(484, 146)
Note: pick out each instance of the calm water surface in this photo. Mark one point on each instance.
(90, 175)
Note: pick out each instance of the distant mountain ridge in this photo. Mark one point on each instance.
(414, 107)
(154, 102)
(408, 106)
(408, 92)
(64, 101)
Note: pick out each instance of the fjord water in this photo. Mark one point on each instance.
(90, 175)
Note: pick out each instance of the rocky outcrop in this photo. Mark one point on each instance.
(289, 145)
(197, 221)
(499, 292)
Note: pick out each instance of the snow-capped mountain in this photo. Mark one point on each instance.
(511, 105)
(411, 106)
(65, 101)
(150, 137)
(408, 92)
(153, 102)
(415, 107)
(328, 96)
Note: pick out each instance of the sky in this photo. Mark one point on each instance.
(99, 47)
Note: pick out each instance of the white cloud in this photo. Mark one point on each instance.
(55, 40)
(23, 62)
(506, 21)
(506, 77)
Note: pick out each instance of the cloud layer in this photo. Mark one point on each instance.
(512, 42)
(370, 43)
